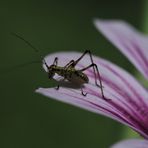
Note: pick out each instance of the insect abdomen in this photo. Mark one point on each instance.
(77, 77)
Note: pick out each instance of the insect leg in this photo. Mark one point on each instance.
(84, 94)
(45, 64)
(69, 64)
(57, 88)
(96, 74)
(74, 63)
(55, 62)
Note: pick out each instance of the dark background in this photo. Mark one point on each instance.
(29, 119)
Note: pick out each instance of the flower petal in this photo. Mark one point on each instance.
(128, 102)
(133, 143)
(129, 41)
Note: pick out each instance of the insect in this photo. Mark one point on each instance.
(76, 76)
(69, 72)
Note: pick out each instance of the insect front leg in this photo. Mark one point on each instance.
(55, 62)
(58, 86)
(44, 61)
(96, 74)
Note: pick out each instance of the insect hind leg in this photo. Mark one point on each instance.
(96, 74)
(73, 63)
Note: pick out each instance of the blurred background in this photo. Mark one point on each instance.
(34, 121)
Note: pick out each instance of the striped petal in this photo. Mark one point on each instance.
(129, 41)
(133, 143)
(127, 100)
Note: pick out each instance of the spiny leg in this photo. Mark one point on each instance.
(100, 81)
(95, 68)
(74, 63)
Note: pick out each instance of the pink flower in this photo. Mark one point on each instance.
(128, 102)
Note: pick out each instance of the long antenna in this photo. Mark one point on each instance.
(27, 42)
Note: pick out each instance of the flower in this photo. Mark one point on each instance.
(127, 98)
(128, 40)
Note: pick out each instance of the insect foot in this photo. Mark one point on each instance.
(106, 99)
(57, 88)
(84, 94)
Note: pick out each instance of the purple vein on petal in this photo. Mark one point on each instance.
(129, 108)
(129, 100)
(138, 98)
(131, 43)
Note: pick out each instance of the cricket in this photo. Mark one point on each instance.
(69, 72)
